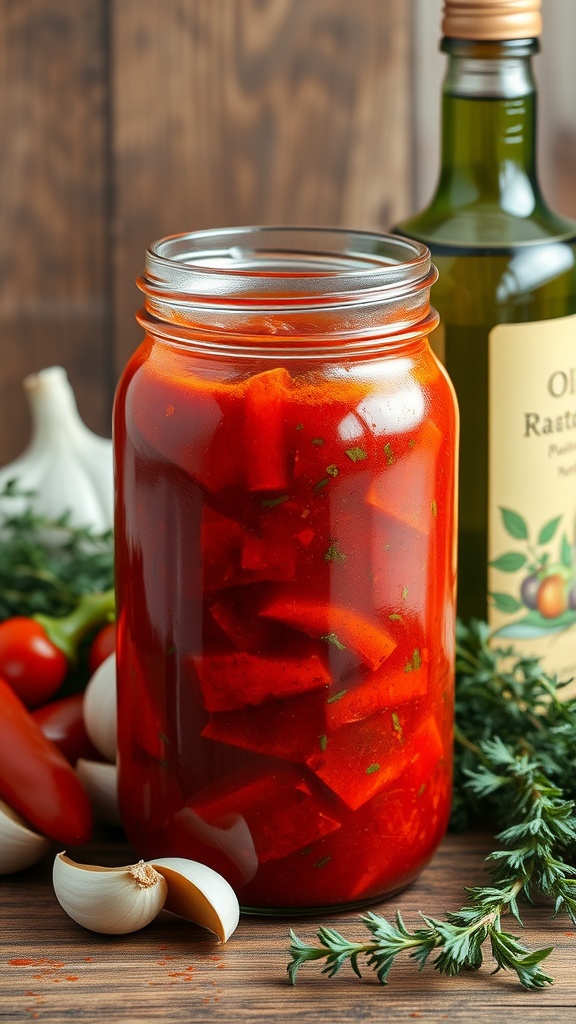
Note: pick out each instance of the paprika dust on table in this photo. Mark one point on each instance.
(285, 448)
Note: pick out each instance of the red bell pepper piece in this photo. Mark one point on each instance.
(286, 729)
(190, 421)
(236, 615)
(405, 489)
(387, 687)
(221, 548)
(237, 680)
(343, 628)
(362, 759)
(264, 446)
(279, 808)
(268, 559)
(36, 779)
(233, 555)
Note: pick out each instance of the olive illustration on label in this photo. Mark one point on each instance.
(547, 589)
(529, 591)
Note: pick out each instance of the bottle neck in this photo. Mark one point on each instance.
(489, 127)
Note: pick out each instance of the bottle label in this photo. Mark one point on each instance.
(532, 490)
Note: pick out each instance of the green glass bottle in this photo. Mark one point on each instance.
(507, 301)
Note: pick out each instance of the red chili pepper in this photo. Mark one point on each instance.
(36, 779)
(102, 646)
(62, 722)
(35, 653)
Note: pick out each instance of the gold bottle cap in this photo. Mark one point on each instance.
(492, 19)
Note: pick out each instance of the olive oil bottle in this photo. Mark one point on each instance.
(507, 301)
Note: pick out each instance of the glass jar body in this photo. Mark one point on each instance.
(285, 578)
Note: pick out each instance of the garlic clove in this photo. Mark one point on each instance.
(101, 783)
(114, 901)
(20, 847)
(99, 708)
(235, 840)
(199, 894)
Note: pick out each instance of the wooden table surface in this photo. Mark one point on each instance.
(51, 970)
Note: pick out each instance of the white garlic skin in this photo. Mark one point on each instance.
(100, 780)
(113, 901)
(99, 709)
(20, 847)
(199, 894)
(66, 464)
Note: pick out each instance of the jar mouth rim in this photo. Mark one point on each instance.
(284, 265)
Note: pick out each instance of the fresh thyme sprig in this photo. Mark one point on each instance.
(499, 695)
(46, 565)
(514, 758)
(459, 938)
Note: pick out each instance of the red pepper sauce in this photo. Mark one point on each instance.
(285, 586)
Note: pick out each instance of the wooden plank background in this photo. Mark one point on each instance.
(123, 120)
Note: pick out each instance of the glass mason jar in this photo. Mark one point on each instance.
(285, 448)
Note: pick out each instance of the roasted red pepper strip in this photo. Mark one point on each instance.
(266, 394)
(405, 493)
(328, 622)
(237, 680)
(365, 758)
(269, 804)
(36, 780)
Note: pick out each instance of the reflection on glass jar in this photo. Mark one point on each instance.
(285, 449)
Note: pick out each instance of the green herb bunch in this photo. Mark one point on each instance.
(515, 754)
(46, 565)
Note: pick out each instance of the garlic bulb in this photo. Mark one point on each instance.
(116, 901)
(19, 846)
(100, 781)
(99, 708)
(67, 466)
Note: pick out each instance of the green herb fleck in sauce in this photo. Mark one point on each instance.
(334, 554)
(272, 502)
(337, 696)
(356, 454)
(331, 638)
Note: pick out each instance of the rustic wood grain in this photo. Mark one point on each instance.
(54, 298)
(123, 120)
(256, 111)
(53, 971)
